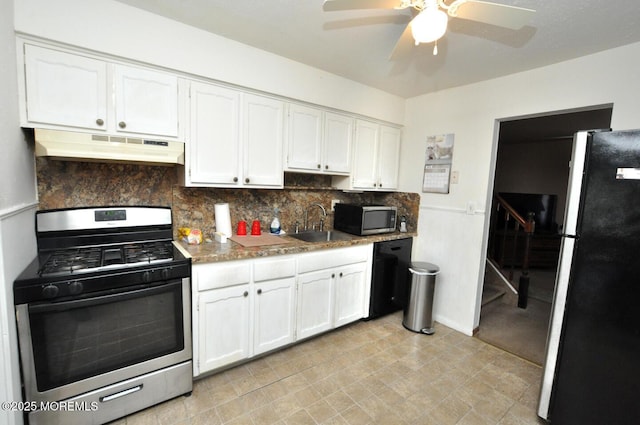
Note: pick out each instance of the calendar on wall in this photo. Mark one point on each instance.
(437, 164)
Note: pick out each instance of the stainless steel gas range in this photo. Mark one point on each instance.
(103, 315)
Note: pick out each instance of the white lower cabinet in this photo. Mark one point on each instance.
(274, 318)
(350, 286)
(274, 294)
(315, 302)
(333, 288)
(248, 307)
(223, 331)
(254, 315)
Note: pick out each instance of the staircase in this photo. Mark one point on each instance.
(510, 240)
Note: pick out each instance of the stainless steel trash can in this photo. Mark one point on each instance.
(418, 314)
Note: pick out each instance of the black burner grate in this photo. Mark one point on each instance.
(90, 258)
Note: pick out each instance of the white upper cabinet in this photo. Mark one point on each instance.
(364, 173)
(235, 138)
(388, 157)
(213, 147)
(338, 136)
(66, 90)
(146, 101)
(304, 138)
(262, 140)
(318, 141)
(376, 156)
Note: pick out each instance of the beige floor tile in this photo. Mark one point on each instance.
(373, 372)
(231, 410)
(355, 415)
(308, 396)
(321, 411)
(301, 417)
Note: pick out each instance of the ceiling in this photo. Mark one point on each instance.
(357, 44)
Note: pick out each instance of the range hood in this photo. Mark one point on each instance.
(72, 146)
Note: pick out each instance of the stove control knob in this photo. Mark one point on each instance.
(165, 274)
(50, 291)
(75, 287)
(146, 277)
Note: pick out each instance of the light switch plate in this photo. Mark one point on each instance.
(454, 177)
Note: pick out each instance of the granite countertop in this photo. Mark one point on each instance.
(216, 251)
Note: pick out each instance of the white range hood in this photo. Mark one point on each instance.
(74, 146)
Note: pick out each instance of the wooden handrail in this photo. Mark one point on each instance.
(527, 224)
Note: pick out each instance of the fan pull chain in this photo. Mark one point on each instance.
(435, 48)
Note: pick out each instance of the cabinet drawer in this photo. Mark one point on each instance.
(219, 275)
(333, 258)
(269, 269)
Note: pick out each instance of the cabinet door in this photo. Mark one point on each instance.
(223, 317)
(274, 314)
(214, 145)
(304, 137)
(388, 157)
(349, 304)
(65, 89)
(364, 171)
(315, 301)
(146, 101)
(338, 136)
(262, 135)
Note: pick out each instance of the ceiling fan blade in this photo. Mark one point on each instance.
(404, 45)
(334, 5)
(495, 14)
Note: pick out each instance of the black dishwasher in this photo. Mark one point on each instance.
(390, 276)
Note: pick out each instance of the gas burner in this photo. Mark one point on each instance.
(70, 260)
(148, 252)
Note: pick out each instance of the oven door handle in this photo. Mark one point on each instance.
(121, 394)
(99, 300)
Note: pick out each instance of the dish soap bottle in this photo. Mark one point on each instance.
(275, 223)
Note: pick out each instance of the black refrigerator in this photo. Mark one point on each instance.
(592, 367)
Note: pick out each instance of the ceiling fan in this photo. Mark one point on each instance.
(431, 17)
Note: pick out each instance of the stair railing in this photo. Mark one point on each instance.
(515, 227)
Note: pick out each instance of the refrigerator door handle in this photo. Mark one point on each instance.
(555, 325)
(574, 187)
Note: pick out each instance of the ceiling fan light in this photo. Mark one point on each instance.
(429, 25)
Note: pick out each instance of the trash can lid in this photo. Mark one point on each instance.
(422, 268)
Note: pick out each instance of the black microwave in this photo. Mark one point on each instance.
(364, 219)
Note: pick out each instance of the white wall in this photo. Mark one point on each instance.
(450, 237)
(17, 207)
(110, 27)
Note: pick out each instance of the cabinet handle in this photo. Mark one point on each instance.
(100, 121)
(259, 291)
(326, 167)
(235, 180)
(122, 124)
(333, 275)
(340, 274)
(246, 294)
(319, 166)
(247, 180)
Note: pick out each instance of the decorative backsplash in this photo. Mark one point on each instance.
(66, 184)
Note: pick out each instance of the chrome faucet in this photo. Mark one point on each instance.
(306, 216)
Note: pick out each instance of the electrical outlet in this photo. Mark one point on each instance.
(333, 203)
(471, 208)
(454, 177)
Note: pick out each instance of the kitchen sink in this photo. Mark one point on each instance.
(326, 236)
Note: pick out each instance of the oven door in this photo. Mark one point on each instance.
(72, 347)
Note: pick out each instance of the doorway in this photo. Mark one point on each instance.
(532, 167)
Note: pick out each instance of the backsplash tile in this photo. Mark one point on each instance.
(67, 184)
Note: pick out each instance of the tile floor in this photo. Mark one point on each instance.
(373, 372)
